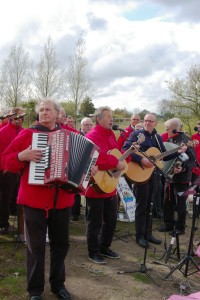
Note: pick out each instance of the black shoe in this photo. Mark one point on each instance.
(62, 293)
(4, 230)
(109, 253)
(35, 298)
(141, 242)
(74, 219)
(178, 231)
(154, 240)
(97, 259)
(165, 228)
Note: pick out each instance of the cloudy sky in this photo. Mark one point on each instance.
(133, 46)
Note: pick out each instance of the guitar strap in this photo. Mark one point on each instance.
(158, 142)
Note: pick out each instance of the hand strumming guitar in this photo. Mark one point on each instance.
(146, 162)
(183, 148)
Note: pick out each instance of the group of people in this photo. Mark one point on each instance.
(52, 208)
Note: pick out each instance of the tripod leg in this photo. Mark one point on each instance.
(177, 267)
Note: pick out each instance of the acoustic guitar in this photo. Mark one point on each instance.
(139, 174)
(106, 181)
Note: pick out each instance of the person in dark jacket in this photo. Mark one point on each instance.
(174, 208)
(145, 192)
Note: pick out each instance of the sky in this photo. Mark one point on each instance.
(133, 47)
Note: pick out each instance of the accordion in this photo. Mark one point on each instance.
(66, 162)
(168, 166)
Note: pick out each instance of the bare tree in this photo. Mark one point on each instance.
(185, 93)
(78, 82)
(48, 76)
(15, 77)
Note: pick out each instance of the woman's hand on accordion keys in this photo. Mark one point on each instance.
(30, 155)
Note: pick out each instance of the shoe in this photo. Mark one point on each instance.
(109, 253)
(74, 219)
(179, 231)
(4, 230)
(154, 240)
(35, 298)
(97, 259)
(165, 228)
(141, 242)
(62, 293)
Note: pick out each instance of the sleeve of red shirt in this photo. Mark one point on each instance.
(9, 159)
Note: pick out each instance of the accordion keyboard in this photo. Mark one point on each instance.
(37, 169)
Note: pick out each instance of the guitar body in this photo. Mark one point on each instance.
(140, 174)
(106, 181)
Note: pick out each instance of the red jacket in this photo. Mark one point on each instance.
(124, 136)
(7, 134)
(196, 136)
(36, 196)
(105, 139)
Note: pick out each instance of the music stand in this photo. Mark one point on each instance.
(188, 256)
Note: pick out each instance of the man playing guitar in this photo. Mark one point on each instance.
(145, 192)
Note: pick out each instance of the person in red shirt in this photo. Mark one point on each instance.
(135, 119)
(44, 208)
(196, 136)
(9, 181)
(4, 117)
(101, 208)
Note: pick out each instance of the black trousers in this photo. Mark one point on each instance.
(76, 208)
(101, 218)
(145, 195)
(175, 204)
(9, 183)
(36, 224)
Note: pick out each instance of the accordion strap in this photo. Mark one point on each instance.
(55, 197)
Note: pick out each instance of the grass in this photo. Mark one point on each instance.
(12, 270)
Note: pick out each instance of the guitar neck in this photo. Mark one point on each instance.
(166, 153)
(126, 154)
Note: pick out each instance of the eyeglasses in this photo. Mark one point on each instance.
(150, 121)
(87, 124)
(135, 119)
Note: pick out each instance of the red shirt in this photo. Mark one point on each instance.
(196, 136)
(7, 134)
(124, 136)
(105, 139)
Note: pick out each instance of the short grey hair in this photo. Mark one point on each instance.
(174, 123)
(99, 113)
(85, 120)
(48, 100)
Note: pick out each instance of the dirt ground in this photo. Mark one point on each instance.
(133, 276)
(118, 279)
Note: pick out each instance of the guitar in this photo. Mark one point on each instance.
(106, 181)
(138, 173)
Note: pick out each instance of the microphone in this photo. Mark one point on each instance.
(116, 127)
(197, 128)
(19, 116)
(177, 131)
(7, 116)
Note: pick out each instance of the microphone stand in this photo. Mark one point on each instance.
(187, 259)
(143, 269)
